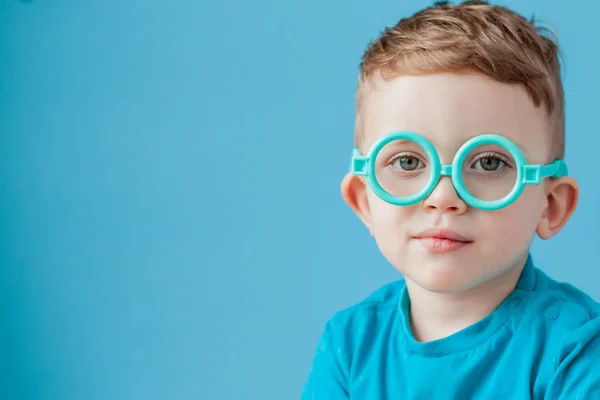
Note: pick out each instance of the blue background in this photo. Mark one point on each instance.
(170, 219)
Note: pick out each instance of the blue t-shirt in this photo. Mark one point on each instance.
(541, 342)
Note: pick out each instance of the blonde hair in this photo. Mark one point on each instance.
(472, 36)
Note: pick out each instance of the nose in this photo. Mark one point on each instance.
(445, 199)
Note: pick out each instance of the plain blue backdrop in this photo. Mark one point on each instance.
(171, 225)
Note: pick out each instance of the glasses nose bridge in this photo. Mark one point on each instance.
(446, 170)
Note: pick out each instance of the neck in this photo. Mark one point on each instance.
(437, 315)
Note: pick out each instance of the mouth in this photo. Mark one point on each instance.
(442, 240)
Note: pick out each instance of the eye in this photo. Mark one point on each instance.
(407, 163)
(490, 163)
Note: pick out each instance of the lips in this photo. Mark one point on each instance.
(442, 240)
(447, 234)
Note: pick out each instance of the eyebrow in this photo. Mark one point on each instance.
(519, 144)
(522, 148)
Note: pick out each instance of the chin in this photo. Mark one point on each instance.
(442, 284)
(443, 275)
(446, 287)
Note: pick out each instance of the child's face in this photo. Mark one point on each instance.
(449, 109)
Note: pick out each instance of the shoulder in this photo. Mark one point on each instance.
(379, 304)
(571, 316)
(562, 302)
(348, 333)
(364, 321)
(572, 319)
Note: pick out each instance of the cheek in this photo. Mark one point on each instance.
(514, 226)
(390, 228)
(529, 207)
(387, 219)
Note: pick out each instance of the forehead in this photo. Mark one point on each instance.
(450, 108)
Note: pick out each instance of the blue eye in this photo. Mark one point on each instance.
(489, 163)
(407, 163)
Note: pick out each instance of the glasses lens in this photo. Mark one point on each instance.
(402, 168)
(489, 172)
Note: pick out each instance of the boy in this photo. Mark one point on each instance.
(459, 142)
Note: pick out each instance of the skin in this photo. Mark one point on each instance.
(451, 290)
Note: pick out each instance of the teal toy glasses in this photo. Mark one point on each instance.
(489, 172)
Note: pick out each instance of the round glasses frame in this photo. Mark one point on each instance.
(527, 174)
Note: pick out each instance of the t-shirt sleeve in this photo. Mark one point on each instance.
(577, 373)
(328, 377)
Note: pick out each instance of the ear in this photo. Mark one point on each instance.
(562, 195)
(354, 191)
